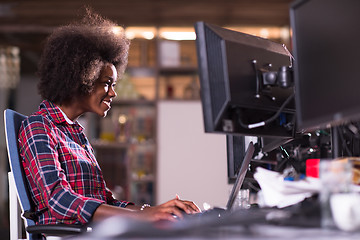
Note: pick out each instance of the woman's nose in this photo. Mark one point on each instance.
(112, 92)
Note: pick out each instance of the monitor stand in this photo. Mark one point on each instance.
(336, 149)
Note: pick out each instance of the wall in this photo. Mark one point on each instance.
(4, 94)
(191, 163)
(27, 97)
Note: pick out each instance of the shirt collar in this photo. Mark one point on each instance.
(56, 113)
(66, 117)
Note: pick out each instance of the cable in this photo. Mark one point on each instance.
(269, 120)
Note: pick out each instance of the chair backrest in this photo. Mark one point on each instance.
(13, 121)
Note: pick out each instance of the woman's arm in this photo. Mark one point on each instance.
(166, 211)
(39, 152)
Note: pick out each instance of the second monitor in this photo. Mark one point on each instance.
(246, 84)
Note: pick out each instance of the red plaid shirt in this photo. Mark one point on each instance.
(65, 179)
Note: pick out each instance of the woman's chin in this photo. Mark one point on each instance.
(104, 113)
(101, 113)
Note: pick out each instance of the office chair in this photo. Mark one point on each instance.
(17, 181)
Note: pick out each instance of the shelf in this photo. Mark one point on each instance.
(144, 179)
(151, 71)
(182, 70)
(141, 71)
(134, 102)
(119, 145)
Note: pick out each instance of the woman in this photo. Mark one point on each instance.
(78, 72)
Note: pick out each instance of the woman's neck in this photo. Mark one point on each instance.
(72, 110)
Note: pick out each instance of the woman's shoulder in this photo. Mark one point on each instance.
(39, 118)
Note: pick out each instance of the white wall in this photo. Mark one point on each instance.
(191, 163)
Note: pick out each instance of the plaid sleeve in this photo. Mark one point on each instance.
(112, 201)
(38, 147)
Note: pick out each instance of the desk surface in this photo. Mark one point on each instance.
(249, 225)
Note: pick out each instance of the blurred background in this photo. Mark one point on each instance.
(158, 107)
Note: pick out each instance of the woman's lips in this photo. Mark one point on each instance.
(107, 103)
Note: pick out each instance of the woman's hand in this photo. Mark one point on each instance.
(170, 210)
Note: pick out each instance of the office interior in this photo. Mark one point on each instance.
(152, 146)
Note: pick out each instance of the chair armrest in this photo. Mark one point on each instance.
(58, 229)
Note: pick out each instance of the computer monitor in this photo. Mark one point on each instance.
(326, 50)
(240, 88)
(235, 149)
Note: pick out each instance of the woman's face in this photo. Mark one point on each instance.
(104, 91)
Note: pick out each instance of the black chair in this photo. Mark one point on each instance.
(13, 121)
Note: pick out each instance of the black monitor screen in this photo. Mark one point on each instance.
(326, 49)
(240, 91)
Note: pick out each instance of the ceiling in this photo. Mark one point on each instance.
(25, 23)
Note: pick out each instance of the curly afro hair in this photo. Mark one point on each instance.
(74, 55)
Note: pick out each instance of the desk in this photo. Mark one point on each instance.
(247, 225)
